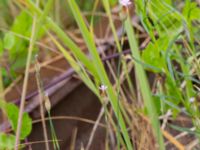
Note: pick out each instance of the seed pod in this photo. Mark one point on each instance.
(47, 102)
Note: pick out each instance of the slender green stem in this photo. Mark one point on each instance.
(144, 85)
(53, 132)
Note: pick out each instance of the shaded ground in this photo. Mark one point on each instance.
(80, 103)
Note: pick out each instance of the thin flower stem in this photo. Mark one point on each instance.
(53, 132)
(95, 128)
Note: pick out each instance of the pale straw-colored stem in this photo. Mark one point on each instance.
(24, 90)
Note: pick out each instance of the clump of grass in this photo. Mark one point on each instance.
(171, 55)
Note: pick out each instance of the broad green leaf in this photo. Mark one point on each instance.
(173, 91)
(191, 11)
(153, 54)
(9, 40)
(21, 28)
(1, 47)
(7, 142)
(12, 112)
(159, 15)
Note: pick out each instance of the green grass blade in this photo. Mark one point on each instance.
(75, 66)
(108, 13)
(77, 52)
(100, 68)
(141, 76)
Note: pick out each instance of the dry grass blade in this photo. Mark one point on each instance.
(94, 128)
(73, 142)
(173, 140)
(36, 142)
(71, 118)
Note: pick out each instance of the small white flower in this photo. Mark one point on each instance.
(103, 87)
(191, 100)
(125, 3)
